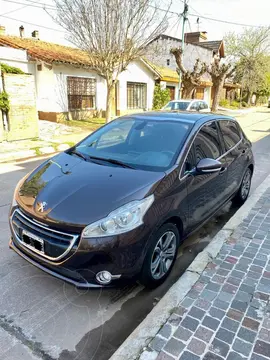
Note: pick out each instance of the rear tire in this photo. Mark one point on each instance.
(243, 192)
(160, 256)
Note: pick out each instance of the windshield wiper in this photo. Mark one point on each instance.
(79, 154)
(112, 161)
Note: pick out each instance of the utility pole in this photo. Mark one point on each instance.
(184, 17)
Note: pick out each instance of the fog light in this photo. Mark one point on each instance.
(104, 277)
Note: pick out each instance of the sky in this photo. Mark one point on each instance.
(31, 14)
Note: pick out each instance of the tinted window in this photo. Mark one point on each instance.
(195, 106)
(207, 143)
(203, 105)
(230, 132)
(150, 145)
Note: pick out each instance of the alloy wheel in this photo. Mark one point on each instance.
(163, 255)
(246, 183)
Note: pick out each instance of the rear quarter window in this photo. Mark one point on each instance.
(230, 132)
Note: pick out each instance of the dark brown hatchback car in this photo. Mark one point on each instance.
(118, 204)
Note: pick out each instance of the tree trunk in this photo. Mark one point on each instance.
(110, 86)
(217, 87)
(188, 90)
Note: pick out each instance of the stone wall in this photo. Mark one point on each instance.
(22, 116)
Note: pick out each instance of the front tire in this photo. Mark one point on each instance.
(244, 189)
(160, 256)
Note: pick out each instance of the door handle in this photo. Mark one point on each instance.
(243, 152)
(222, 170)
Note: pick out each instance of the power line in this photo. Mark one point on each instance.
(28, 23)
(33, 4)
(18, 9)
(227, 22)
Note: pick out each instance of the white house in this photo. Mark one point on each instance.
(65, 84)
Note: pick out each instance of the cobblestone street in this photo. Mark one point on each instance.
(227, 313)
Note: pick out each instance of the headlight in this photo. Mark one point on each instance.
(122, 220)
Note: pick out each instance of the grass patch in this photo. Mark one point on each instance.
(70, 143)
(37, 151)
(91, 124)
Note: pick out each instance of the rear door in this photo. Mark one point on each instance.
(236, 150)
(206, 192)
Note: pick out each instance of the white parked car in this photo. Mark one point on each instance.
(187, 105)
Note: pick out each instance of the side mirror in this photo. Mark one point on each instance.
(207, 165)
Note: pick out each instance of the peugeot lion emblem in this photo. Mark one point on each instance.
(41, 206)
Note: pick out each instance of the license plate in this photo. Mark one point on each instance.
(32, 241)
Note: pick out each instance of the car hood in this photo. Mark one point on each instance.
(68, 190)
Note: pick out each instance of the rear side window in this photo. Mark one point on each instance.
(207, 144)
(230, 133)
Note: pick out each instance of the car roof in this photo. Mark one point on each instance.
(181, 116)
(186, 100)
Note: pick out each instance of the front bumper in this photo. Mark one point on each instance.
(120, 255)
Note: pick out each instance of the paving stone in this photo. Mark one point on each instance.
(223, 272)
(257, 269)
(230, 324)
(188, 356)
(235, 314)
(221, 304)
(163, 356)
(157, 343)
(248, 281)
(187, 302)
(190, 323)
(254, 313)
(210, 323)
(225, 335)
(241, 267)
(243, 296)
(265, 281)
(231, 259)
(211, 356)
(194, 294)
(246, 334)
(264, 335)
(219, 347)
(248, 255)
(204, 334)
(182, 333)
(254, 275)
(213, 287)
(174, 320)
(256, 357)
(216, 313)
(234, 356)
(218, 279)
(205, 279)
(227, 266)
(251, 324)
(174, 347)
(259, 262)
(247, 288)
(262, 348)
(179, 310)
(196, 346)
(239, 305)
(202, 304)
(165, 331)
(196, 313)
(242, 347)
(234, 281)
(224, 296)
(261, 296)
(263, 288)
(208, 295)
(238, 274)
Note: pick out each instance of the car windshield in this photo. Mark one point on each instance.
(177, 105)
(140, 144)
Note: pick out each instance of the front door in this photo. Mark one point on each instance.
(206, 192)
(236, 153)
(172, 92)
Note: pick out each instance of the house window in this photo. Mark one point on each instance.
(168, 62)
(81, 93)
(136, 95)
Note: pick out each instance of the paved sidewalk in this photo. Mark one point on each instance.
(226, 315)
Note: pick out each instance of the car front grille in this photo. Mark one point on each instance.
(37, 237)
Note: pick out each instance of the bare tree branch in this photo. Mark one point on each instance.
(113, 32)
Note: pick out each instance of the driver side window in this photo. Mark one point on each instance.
(194, 106)
(205, 145)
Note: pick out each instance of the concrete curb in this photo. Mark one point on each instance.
(142, 335)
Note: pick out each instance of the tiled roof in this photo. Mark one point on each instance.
(169, 75)
(48, 52)
(212, 45)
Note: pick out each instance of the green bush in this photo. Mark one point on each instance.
(5, 68)
(234, 104)
(4, 101)
(244, 104)
(161, 97)
(224, 103)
